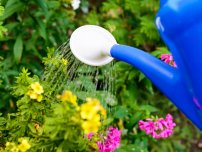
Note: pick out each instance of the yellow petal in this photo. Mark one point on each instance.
(24, 146)
(90, 126)
(37, 88)
(32, 94)
(39, 98)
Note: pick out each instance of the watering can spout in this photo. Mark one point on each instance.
(161, 74)
(95, 46)
(167, 79)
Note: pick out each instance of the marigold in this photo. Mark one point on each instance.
(24, 146)
(68, 96)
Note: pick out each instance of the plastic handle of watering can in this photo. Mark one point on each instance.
(165, 77)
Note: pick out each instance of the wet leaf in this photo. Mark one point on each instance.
(18, 49)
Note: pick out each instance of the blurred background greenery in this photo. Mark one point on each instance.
(30, 26)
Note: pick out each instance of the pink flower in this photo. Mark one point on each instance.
(147, 126)
(90, 135)
(161, 128)
(168, 58)
(111, 142)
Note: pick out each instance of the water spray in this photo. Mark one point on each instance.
(96, 46)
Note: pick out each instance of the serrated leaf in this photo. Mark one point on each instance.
(18, 49)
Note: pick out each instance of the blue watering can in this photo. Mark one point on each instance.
(179, 23)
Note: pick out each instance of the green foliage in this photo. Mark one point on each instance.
(50, 125)
(3, 30)
(30, 26)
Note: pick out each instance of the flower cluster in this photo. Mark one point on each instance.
(68, 96)
(64, 61)
(23, 146)
(35, 91)
(161, 128)
(168, 58)
(111, 142)
(91, 113)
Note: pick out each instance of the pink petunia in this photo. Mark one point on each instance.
(168, 58)
(161, 128)
(90, 135)
(111, 142)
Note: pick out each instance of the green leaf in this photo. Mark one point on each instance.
(88, 84)
(18, 48)
(43, 5)
(11, 9)
(53, 4)
(2, 121)
(121, 112)
(159, 51)
(141, 77)
(12, 26)
(42, 29)
(148, 108)
(11, 2)
(1, 10)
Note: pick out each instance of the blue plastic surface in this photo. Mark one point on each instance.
(180, 25)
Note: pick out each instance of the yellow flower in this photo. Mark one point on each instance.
(39, 98)
(36, 91)
(64, 61)
(10, 146)
(37, 88)
(68, 96)
(24, 146)
(87, 111)
(90, 108)
(91, 125)
(34, 95)
(94, 103)
(14, 149)
(90, 113)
